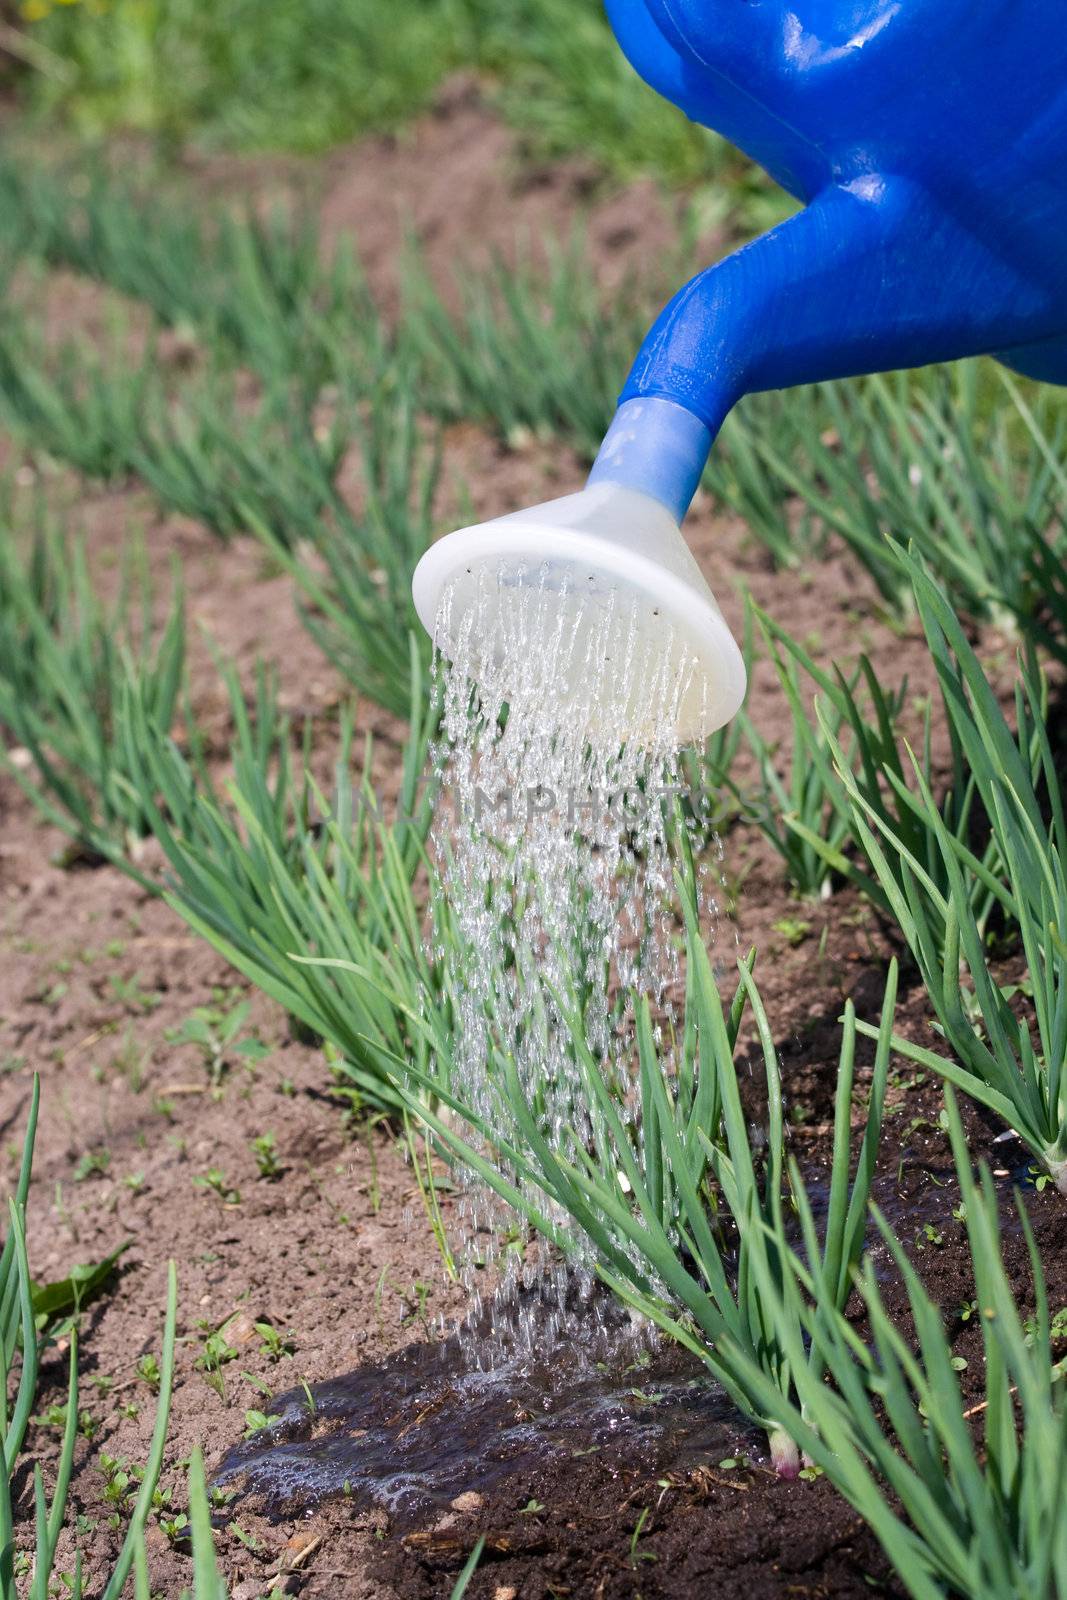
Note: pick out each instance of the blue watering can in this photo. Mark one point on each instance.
(928, 142)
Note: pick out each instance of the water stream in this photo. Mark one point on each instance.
(558, 847)
(557, 850)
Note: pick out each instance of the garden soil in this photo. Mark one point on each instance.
(98, 979)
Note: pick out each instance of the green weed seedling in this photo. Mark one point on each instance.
(217, 1031)
(215, 1353)
(265, 1150)
(92, 1164)
(148, 1371)
(217, 1183)
(274, 1344)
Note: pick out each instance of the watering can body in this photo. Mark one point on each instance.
(927, 140)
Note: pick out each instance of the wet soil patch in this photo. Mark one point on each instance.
(447, 1424)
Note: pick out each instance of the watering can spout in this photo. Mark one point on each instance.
(927, 141)
(870, 276)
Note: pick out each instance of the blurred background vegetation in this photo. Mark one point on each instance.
(302, 75)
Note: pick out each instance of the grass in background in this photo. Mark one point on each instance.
(304, 77)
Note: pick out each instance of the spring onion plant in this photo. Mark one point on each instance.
(965, 1499)
(266, 867)
(333, 926)
(20, 1348)
(205, 451)
(956, 461)
(256, 289)
(71, 668)
(211, 456)
(878, 763)
(800, 809)
(353, 567)
(530, 351)
(710, 797)
(1007, 1062)
(338, 914)
(269, 468)
(78, 407)
(667, 1201)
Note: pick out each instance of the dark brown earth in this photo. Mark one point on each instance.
(335, 1251)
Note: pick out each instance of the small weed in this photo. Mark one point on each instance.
(794, 930)
(265, 1150)
(219, 1184)
(215, 1353)
(256, 1421)
(637, 1555)
(274, 1344)
(214, 1031)
(92, 1164)
(174, 1528)
(148, 1372)
(121, 1482)
(128, 992)
(131, 1061)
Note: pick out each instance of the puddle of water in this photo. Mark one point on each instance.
(413, 1432)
